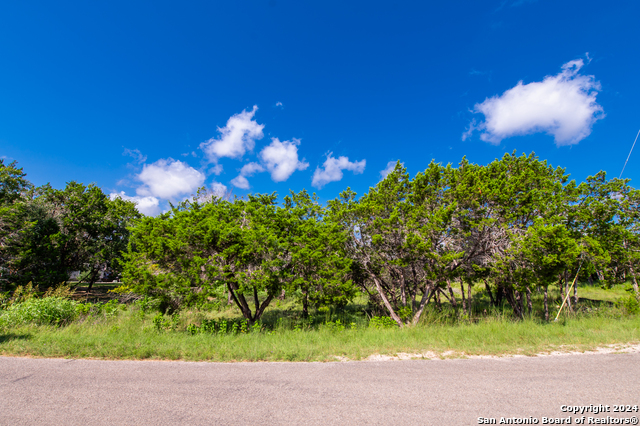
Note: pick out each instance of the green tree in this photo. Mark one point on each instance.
(197, 247)
(51, 233)
(12, 183)
(316, 261)
(93, 228)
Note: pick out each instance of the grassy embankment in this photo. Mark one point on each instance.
(128, 332)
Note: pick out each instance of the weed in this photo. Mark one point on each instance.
(629, 304)
(160, 323)
(335, 326)
(382, 322)
(46, 311)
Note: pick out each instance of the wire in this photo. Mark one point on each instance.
(625, 163)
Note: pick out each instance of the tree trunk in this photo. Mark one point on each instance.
(240, 301)
(93, 277)
(256, 302)
(546, 304)
(513, 301)
(414, 294)
(469, 300)
(529, 302)
(486, 285)
(575, 293)
(392, 313)
(633, 280)
(454, 303)
(426, 296)
(464, 301)
(403, 289)
(567, 290)
(305, 305)
(260, 311)
(499, 295)
(242, 304)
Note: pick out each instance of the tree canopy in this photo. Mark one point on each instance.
(514, 226)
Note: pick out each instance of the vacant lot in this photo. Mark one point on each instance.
(137, 330)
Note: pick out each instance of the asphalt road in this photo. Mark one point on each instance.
(449, 392)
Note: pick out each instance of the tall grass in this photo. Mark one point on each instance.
(131, 333)
(48, 310)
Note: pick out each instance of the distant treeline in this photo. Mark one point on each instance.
(514, 226)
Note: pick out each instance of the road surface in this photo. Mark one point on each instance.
(444, 392)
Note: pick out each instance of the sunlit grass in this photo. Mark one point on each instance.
(130, 334)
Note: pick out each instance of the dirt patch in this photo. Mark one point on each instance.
(400, 356)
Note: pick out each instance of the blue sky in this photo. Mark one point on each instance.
(151, 99)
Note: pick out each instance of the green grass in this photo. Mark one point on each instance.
(596, 292)
(115, 331)
(128, 335)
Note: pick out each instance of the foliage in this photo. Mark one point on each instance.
(382, 322)
(515, 230)
(630, 304)
(45, 311)
(127, 335)
(317, 264)
(250, 249)
(47, 233)
(223, 327)
(12, 183)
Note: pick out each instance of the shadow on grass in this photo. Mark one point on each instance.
(595, 302)
(4, 338)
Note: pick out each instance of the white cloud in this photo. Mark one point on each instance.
(279, 104)
(248, 169)
(240, 182)
(236, 138)
(333, 168)
(563, 105)
(390, 166)
(168, 179)
(149, 206)
(281, 159)
(218, 189)
(135, 154)
(216, 169)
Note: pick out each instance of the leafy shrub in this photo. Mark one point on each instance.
(334, 326)
(20, 294)
(222, 327)
(148, 304)
(405, 313)
(382, 322)
(161, 323)
(629, 304)
(109, 308)
(63, 291)
(87, 308)
(45, 311)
